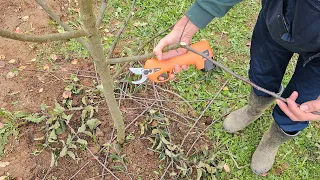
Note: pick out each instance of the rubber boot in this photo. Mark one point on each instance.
(264, 156)
(244, 116)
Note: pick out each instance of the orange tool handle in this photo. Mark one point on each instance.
(167, 66)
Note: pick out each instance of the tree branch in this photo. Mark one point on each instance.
(142, 57)
(54, 16)
(140, 48)
(101, 12)
(113, 46)
(43, 38)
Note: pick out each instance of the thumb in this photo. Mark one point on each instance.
(158, 49)
(311, 106)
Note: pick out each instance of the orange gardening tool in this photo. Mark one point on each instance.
(154, 69)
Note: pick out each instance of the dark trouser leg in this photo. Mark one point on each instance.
(306, 81)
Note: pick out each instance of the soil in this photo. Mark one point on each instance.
(32, 87)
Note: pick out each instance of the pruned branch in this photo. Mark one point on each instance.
(43, 38)
(113, 46)
(101, 12)
(54, 16)
(142, 57)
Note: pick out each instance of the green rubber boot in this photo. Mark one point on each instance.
(244, 116)
(264, 156)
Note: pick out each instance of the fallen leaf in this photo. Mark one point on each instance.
(42, 79)
(12, 61)
(46, 67)
(1, 125)
(53, 57)
(40, 90)
(10, 75)
(22, 68)
(77, 10)
(4, 164)
(265, 174)
(226, 168)
(25, 18)
(225, 88)
(110, 34)
(33, 60)
(2, 56)
(75, 61)
(2, 64)
(66, 94)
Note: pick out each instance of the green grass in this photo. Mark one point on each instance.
(296, 160)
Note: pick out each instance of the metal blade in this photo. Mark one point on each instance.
(136, 70)
(143, 79)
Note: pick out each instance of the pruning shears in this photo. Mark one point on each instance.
(154, 69)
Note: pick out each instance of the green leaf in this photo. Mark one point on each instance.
(58, 109)
(84, 100)
(118, 168)
(82, 141)
(44, 107)
(93, 123)
(82, 128)
(199, 174)
(63, 152)
(34, 118)
(155, 131)
(53, 159)
(163, 139)
(72, 155)
(20, 114)
(67, 117)
(141, 128)
(84, 115)
(55, 126)
(53, 135)
(169, 153)
(39, 139)
(90, 109)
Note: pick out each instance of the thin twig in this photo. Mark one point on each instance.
(97, 159)
(107, 154)
(165, 171)
(171, 92)
(113, 46)
(45, 176)
(80, 169)
(42, 38)
(200, 136)
(101, 12)
(195, 123)
(54, 16)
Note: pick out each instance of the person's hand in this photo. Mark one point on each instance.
(182, 31)
(302, 113)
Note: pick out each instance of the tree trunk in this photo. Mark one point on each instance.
(96, 51)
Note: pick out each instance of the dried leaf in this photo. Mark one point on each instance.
(33, 60)
(75, 61)
(53, 57)
(53, 160)
(225, 88)
(226, 168)
(2, 56)
(40, 90)
(10, 75)
(4, 164)
(21, 68)
(18, 30)
(1, 125)
(25, 18)
(12, 61)
(67, 94)
(46, 67)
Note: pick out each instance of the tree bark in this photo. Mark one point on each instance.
(43, 38)
(96, 50)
